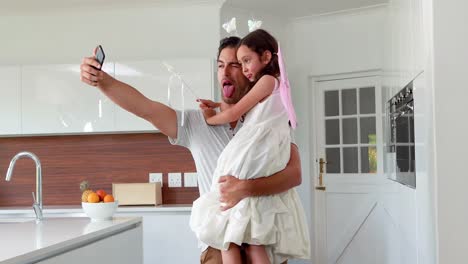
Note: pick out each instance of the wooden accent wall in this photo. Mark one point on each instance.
(100, 159)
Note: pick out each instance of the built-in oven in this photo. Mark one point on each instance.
(400, 140)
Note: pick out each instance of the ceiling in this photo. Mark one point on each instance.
(36, 6)
(287, 8)
(301, 8)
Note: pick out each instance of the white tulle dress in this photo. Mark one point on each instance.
(260, 148)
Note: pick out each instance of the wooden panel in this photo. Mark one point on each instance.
(100, 159)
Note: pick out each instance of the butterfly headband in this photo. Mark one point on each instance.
(231, 27)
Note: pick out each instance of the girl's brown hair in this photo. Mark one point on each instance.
(260, 41)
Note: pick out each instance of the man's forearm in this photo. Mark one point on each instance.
(125, 96)
(130, 99)
(278, 182)
(232, 190)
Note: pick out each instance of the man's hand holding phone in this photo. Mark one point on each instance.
(91, 69)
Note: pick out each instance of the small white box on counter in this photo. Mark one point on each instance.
(137, 193)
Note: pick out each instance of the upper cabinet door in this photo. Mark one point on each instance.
(408, 48)
(153, 80)
(10, 101)
(420, 46)
(54, 100)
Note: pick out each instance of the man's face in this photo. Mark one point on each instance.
(233, 83)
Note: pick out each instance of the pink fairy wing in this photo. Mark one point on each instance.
(285, 91)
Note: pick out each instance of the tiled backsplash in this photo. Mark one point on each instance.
(100, 159)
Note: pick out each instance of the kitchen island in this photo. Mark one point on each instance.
(71, 240)
(166, 231)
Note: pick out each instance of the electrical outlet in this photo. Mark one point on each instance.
(156, 177)
(190, 179)
(174, 179)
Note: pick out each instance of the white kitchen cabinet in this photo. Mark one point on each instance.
(10, 100)
(54, 100)
(51, 99)
(419, 44)
(405, 50)
(167, 238)
(152, 79)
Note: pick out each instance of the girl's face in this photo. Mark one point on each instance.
(252, 63)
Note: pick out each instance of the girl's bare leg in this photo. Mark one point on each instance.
(232, 255)
(258, 254)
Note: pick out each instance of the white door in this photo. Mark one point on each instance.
(347, 124)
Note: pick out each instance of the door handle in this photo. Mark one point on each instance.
(320, 185)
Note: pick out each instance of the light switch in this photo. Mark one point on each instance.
(156, 177)
(175, 179)
(190, 179)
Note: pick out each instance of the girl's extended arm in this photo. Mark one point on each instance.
(263, 88)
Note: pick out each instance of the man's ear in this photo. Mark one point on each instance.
(266, 57)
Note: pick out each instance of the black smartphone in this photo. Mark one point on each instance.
(100, 56)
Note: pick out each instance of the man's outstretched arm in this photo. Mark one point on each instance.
(161, 116)
(233, 190)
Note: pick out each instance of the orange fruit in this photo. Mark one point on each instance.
(84, 196)
(109, 198)
(101, 194)
(93, 198)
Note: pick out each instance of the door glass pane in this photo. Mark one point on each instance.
(367, 100)
(331, 103)
(368, 130)
(350, 160)
(332, 132)
(348, 101)
(349, 130)
(369, 160)
(333, 159)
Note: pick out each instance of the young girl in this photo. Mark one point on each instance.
(273, 226)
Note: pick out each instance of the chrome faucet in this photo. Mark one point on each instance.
(37, 205)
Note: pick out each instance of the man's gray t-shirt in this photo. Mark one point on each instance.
(205, 142)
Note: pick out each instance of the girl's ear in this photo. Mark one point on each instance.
(266, 57)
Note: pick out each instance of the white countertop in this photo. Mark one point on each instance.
(28, 241)
(76, 209)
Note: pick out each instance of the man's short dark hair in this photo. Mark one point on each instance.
(228, 42)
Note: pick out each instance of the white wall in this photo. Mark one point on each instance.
(273, 24)
(327, 44)
(450, 115)
(125, 32)
(338, 43)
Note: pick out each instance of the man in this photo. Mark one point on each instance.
(205, 142)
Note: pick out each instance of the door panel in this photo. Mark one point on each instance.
(349, 138)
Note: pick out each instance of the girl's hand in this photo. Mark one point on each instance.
(208, 108)
(208, 104)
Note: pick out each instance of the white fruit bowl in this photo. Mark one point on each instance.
(100, 211)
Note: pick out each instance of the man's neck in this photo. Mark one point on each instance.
(225, 106)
